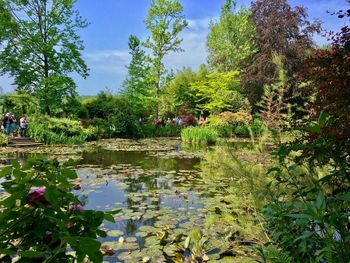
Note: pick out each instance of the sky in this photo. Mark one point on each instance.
(112, 21)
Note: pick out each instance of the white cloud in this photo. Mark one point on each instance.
(193, 44)
(109, 61)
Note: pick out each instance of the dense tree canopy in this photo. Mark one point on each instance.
(231, 40)
(41, 46)
(280, 29)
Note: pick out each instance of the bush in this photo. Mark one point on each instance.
(230, 118)
(59, 131)
(41, 220)
(3, 139)
(199, 135)
(149, 131)
(308, 210)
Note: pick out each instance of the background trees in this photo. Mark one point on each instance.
(279, 29)
(231, 40)
(138, 86)
(165, 21)
(41, 47)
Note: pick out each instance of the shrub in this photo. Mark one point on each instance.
(230, 118)
(199, 135)
(3, 139)
(308, 210)
(149, 130)
(41, 218)
(59, 131)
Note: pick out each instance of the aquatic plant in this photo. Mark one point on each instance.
(199, 135)
(41, 218)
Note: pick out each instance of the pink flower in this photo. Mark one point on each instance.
(76, 208)
(37, 195)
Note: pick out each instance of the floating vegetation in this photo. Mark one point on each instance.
(163, 196)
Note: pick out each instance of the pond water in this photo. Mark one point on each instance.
(157, 189)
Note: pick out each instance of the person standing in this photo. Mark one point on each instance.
(23, 124)
(7, 124)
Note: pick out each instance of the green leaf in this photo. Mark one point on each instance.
(7, 251)
(69, 173)
(300, 216)
(31, 254)
(6, 171)
(187, 242)
(343, 197)
(109, 217)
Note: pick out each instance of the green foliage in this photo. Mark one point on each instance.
(199, 135)
(138, 87)
(276, 112)
(218, 92)
(165, 20)
(3, 139)
(41, 218)
(59, 130)
(178, 91)
(234, 211)
(20, 103)
(230, 41)
(113, 115)
(229, 118)
(41, 46)
(308, 208)
(149, 130)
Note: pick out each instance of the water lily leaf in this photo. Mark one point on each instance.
(141, 234)
(115, 233)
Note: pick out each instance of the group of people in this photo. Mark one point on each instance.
(163, 122)
(10, 125)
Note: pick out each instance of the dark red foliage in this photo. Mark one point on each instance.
(187, 116)
(280, 29)
(328, 71)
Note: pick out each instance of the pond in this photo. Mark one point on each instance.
(157, 184)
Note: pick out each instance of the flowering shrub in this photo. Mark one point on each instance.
(40, 217)
(228, 118)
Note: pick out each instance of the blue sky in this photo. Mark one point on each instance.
(112, 21)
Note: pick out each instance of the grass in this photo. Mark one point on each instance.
(200, 135)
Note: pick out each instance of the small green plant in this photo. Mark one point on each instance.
(308, 210)
(41, 220)
(199, 135)
(3, 139)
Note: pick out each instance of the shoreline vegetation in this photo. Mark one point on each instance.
(246, 159)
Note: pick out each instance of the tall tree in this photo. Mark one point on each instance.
(165, 20)
(41, 46)
(231, 40)
(137, 84)
(280, 29)
(218, 92)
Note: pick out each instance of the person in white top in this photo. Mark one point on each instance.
(23, 124)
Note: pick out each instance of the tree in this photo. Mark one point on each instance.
(282, 30)
(137, 85)
(41, 46)
(218, 92)
(231, 40)
(165, 21)
(178, 91)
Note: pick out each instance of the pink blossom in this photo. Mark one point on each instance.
(37, 195)
(77, 208)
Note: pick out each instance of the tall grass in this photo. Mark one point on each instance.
(41, 133)
(199, 135)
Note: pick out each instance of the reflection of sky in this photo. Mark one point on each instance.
(113, 21)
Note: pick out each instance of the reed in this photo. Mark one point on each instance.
(200, 135)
